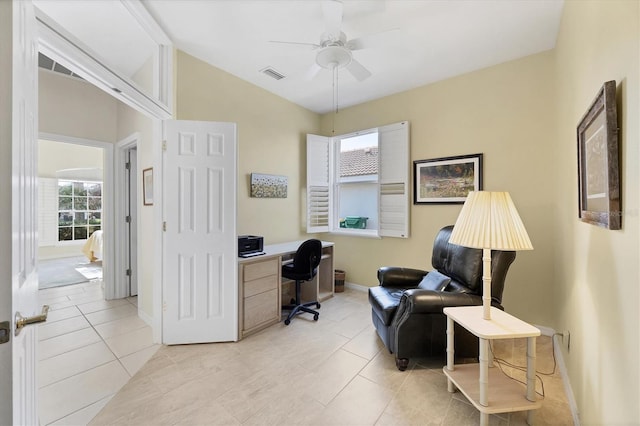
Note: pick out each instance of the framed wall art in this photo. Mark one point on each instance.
(446, 180)
(147, 186)
(598, 161)
(268, 186)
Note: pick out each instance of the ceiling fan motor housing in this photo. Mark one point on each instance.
(330, 57)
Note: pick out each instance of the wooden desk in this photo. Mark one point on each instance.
(260, 286)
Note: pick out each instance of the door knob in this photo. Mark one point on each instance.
(22, 321)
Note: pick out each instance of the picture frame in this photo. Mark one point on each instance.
(147, 186)
(446, 180)
(598, 161)
(268, 186)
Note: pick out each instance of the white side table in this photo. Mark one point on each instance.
(473, 379)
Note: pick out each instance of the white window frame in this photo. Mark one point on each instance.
(74, 211)
(393, 183)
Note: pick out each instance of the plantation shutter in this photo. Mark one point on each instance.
(47, 211)
(393, 146)
(318, 188)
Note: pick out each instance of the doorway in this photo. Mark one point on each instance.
(70, 210)
(89, 339)
(126, 205)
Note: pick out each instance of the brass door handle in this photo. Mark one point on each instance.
(22, 321)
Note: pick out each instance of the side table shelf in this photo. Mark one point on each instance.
(488, 389)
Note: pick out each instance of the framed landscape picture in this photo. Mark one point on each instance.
(446, 180)
(268, 186)
(598, 162)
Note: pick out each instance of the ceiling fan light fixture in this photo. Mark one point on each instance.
(330, 57)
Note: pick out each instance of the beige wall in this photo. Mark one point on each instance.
(271, 139)
(56, 156)
(72, 107)
(597, 271)
(504, 112)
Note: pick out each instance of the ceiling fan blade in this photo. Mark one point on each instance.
(358, 70)
(312, 71)
(296, 43)
(373, 40)
(332, 11)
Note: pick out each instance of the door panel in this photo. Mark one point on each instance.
(200, 273)
(18, 150)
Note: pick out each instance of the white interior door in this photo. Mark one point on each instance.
(132, 198)
(18, 153)
(200, 286)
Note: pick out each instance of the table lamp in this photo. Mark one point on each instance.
(489, 221)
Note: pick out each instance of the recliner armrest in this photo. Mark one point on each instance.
(419, 301)
(393, 276)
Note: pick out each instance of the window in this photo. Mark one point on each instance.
(358, 183)
(79, 209)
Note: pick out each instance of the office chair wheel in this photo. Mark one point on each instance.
(315, 317)
(287, 322)
(317, 306)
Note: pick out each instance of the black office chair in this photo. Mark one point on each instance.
(303, 268)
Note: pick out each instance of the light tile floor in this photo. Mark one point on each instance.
(331, 372)
(89, 348)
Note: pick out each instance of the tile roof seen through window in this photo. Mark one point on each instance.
(359, 162)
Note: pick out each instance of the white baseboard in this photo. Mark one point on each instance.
(562, 368)
(357, 287)
(146, 318)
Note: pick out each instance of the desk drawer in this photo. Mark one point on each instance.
(261, 308)
(251, 288)
(260, 269)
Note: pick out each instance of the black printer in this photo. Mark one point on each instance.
(250, 245)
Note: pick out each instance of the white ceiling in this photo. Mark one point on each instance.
(433, 40)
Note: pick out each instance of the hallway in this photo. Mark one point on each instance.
(89, 348)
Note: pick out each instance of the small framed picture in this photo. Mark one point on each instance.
(147, 186)
(268, 186)
(598, 163)
(446, 180)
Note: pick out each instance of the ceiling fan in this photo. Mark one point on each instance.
(334, 49)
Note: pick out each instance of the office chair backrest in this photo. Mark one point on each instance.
(307, 257)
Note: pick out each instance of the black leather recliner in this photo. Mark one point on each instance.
(409, 320)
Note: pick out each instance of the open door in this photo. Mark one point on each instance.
(200, 285)
(132, 220)
(18, 201)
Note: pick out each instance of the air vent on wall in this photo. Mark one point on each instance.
(47, 63)
(272, 73)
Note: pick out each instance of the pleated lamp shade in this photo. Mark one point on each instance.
(489, 220)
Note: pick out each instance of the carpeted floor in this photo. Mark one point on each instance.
(67, 271)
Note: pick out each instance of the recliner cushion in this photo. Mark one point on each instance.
(462, 264)
(435, 281)
(384, 302)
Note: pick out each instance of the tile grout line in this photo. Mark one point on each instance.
(102, 339)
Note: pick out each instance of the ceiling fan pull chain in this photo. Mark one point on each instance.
(335, 88)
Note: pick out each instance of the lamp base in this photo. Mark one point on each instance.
(486, 284)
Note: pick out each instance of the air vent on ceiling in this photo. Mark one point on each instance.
(272, 73)
(47, 63)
